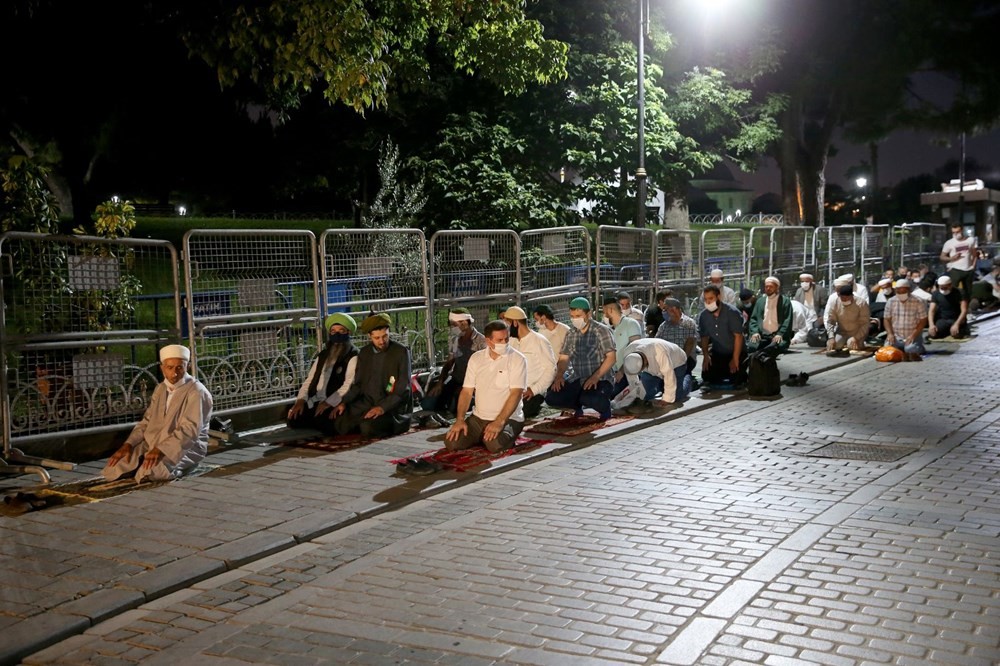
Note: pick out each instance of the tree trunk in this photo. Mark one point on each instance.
(873, 191)
(56, 183)
(787, 159)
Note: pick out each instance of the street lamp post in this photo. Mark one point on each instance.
(862, 183)
(640, 171)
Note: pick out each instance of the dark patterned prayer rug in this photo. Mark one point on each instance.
(470, 459)
(82, 492)
(330, 443)
(571, 426)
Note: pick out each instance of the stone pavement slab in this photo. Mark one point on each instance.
(726, 522)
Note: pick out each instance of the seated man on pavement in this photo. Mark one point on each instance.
(463, 341)
(331, 374)
(679, 329)
(625, 329)
(723, 355)
(654, 313)
(811, 295)
(771, 320)
(554, 331)
(652, 367)
(172, 437)
(948, 311)
(584, 377)
(625, 303)
(497, 377)
(538, 355)
(905, 320)
(847, 321)
(379, 402)
(726, 294)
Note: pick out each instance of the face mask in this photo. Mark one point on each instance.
(887, 292)
(500, 348)
(340, 338)
(513, 331)
(805, 285)
(712, 307)
(956, 236)
(902, 297)
(625, 311)
(944, 291)
(539, 326)
(578, 322)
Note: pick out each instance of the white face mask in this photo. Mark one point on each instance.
(578, 322)
(805, 285)
(956, 236)
(945, 290)
(539, 326)
(712, 307)
(902, 297)
(625, 311)
(887, 291)
(500, 348)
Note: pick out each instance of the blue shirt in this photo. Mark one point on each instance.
(721, 328)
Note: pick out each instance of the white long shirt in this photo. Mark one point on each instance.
(493, 379)
(540, 358)
(661, 357)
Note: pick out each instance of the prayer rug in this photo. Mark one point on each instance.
(951, 339)
(82, 492)
(329, 443)
(477, 456)
(571, 426)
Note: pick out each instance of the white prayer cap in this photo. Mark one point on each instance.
(885, 282)
(717, 273)
(944, 279)
(840, 281)
(805, 276)
(514, 312)
(847, 277)
(902, 284)
(175, 351)
(632, 365)
(771, 278)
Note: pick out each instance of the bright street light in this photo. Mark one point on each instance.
(861, 182)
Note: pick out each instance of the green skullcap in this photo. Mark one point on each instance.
(579, 303)
(342, 318)
(375, 322)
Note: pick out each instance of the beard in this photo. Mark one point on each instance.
(335, 349)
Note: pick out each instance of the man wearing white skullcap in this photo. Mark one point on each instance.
(652, 366)
(859, 290)
(948, 310)
(812, 296)
(726, 295)
(172, 437)
(463, 341)
(771, 319)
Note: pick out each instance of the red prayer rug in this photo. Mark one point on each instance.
(571, 426)
(477, 456)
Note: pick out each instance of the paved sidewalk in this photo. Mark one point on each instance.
(712, 538)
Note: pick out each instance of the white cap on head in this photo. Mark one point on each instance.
(885, 282)
(839, 282)
(772, 280)
(805, 276)
(847, 277)
(943, 280)
(902, 284)
(175, 351)
(717, 273)
(632, 365)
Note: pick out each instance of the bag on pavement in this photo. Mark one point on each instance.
(763, 376)
(816, 336)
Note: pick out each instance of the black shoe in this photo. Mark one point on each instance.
(803, 378)
(640, 407)
(440, 420)
(406, 467)
(793, 380)
(423, 467)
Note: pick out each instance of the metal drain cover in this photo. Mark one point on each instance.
(862, 451)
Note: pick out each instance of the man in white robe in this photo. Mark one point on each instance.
(172, 437)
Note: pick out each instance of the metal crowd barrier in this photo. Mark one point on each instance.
(78, 345)
(83, 317)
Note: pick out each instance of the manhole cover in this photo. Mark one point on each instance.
(862, 451)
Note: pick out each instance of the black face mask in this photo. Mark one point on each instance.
(340, 338)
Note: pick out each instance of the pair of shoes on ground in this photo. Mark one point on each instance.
(797, 380)
(418, 467)
(433, 420)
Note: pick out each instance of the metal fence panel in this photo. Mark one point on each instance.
(790, 255)
(678, 266)
(921, 242)
(81, 325)
(836, 251)
(875, 253)
(478, 270)
(625, 260)
(555, 261)
(380, 270)
(725, 250)
(252, 307)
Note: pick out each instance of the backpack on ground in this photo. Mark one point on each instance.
(763, 376)
(816, 336)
